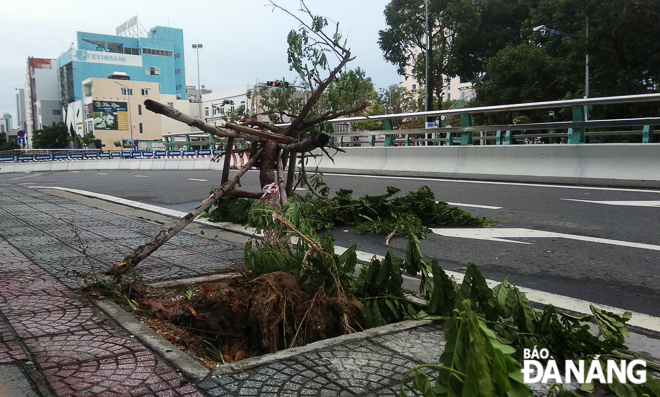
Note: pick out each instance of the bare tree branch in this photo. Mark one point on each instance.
(309, 144)
(246, 133)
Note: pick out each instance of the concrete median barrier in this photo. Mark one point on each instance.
(634, 165)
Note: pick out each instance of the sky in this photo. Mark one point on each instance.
(243, 40)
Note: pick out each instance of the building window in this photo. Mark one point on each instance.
(141, 131)
(126, 91)
(152, 71)
(145, 92)
(162, 53)
(449, 96)
(206, 111)
(57, 112)
(170, 104)
(414, 87)
(139, 110)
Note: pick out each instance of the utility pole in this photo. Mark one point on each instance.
(199, 86)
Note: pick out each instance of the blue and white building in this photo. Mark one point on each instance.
(157, 58)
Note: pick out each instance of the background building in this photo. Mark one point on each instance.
(21, 122)
(113, 110)
(42, 102)
(158, 58)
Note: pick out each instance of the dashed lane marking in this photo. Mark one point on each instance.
(633, 203)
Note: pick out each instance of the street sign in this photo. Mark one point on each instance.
(21, 134)
(21, 141)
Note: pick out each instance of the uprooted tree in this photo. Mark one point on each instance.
(312, 52)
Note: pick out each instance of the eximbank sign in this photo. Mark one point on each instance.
(107, 58)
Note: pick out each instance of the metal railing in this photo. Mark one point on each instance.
(505, 134)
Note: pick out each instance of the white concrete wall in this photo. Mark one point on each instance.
(631, 165)
(590, 164)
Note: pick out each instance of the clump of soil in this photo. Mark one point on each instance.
(239, 318)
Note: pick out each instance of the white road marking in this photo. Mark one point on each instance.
(488, 207)
(496, 183)
(563, 302)
(634, 203)
(102, 173)
(30, 175)
(502, 234)
(141, 176)
(199, 180)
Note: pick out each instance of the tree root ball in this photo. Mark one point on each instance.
(271, 313)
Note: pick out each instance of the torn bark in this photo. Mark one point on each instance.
(143, 251)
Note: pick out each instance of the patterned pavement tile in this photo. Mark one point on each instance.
(77, 348)
(10, 350)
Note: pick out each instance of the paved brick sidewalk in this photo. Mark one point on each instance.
(46, 329)
(62, 342)
(62, 236)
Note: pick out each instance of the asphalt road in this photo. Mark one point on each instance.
(545, 227)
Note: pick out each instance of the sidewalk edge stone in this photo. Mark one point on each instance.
(249, 363)
(181, 361)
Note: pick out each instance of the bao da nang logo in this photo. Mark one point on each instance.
(581, 371)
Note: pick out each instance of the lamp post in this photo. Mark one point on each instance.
(556, 32)
(128, 98)
(199, 87)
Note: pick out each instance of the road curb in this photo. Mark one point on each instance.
(170, 353)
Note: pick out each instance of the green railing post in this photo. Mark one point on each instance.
(507, 138)
(647, 134)
(389, 139)
(448, 141)
(341, 141)
(498, 138)
(466, 137)
(187, 147)
(211, 141)
(372, 140)
(576, 135)
(170, 139)
(407, 139)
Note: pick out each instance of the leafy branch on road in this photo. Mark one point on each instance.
(389, 214)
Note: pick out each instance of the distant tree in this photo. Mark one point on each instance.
(7, 145)
(404, 42)
(54, 137)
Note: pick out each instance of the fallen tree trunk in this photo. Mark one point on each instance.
(143, 251)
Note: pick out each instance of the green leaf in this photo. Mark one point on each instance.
(624, 390)
(421, 382)
(653, 385)
(393, 308)
(611, 325)
(587, 387)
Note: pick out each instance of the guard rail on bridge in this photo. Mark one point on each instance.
(576, 130)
